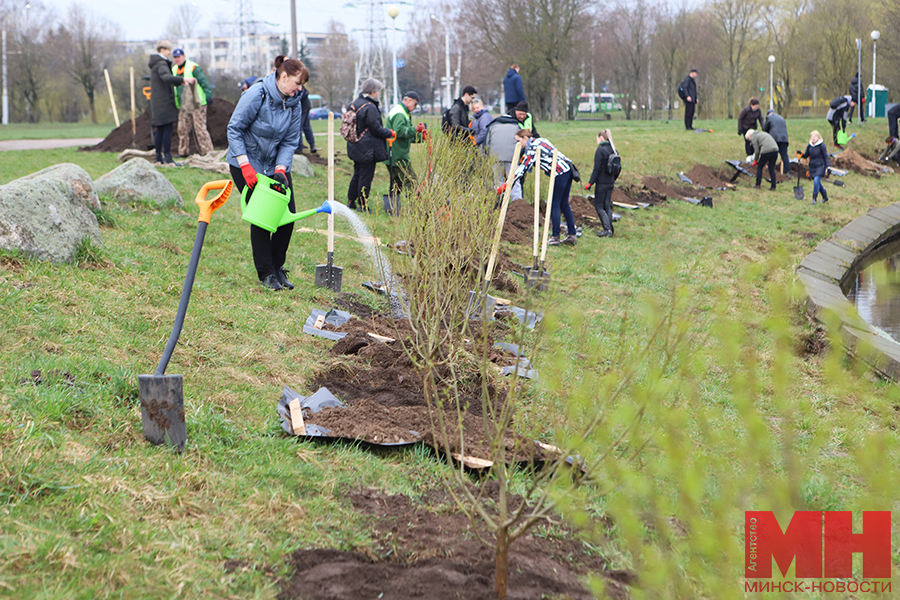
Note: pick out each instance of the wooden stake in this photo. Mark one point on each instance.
(112, 98)
(133, 126)
(505, 204)
(297, 424)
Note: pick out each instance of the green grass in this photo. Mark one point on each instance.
(43, 131)
(90, 510)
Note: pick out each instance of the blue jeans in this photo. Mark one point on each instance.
(818, 187)
(560, 203)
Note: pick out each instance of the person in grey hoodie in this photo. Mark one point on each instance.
(765, 152)
(263, 134)
(777, 128)
(481, 118)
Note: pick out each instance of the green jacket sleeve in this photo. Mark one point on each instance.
(402, 127)
(203, 82)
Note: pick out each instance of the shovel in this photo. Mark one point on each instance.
(162, 397)
(798, 189)
(328, 275)
(390, 200)
(543, 278)
(484, 307)
(533, 274)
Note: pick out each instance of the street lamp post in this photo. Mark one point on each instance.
(448, 80)
(771, 89)
(874, 35)
(393, 11)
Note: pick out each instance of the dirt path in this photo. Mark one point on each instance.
(47, 144)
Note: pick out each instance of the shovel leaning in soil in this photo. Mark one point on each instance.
(798, 189)
(391, 201)
(533, 274)
(328, 275)
(484, 306)
(162, 396)
(543, 277)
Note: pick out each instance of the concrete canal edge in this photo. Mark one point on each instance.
(829, 270)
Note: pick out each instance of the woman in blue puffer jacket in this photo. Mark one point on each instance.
(263, 134)
(817, 153)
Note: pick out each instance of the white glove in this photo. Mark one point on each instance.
(749, 158)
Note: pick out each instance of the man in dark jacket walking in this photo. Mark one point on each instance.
(459, 114)
(163, 110)
(747, 120)
(689, 87)
(854, 94)
(777, 128)
(371, 148)
(512, 88)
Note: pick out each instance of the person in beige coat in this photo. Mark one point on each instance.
(765, 152)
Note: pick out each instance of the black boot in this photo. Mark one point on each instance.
(281, 274)
(170, 161)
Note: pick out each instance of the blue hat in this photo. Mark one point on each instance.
(178, 52)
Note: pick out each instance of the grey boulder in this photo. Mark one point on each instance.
(301, 167)
(45, 218)
(137, 180)
(78, 177)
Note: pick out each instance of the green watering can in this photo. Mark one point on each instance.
(269, 208)
(843, 138)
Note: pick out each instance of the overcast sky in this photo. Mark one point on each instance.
(146, 19)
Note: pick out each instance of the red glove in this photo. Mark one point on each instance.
(420, 128)
(425, 135)
(754, 163)
(587, 187)
(501, 189)
(249, 175)
(393, 136)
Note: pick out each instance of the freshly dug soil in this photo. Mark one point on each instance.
(319, 158)
(385, 400)
(428, 550)
(706, 177)
(779, 178)
(655, 184)
(519, 225)
(218, 113)
(854, 161)
(633, 194)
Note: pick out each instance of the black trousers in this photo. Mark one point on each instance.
(689, 115)
(748, 147)
(163, 141)
(769, 159)
(360, 184)
(837, 125)
(306, 130)
(786, 163)
(603, 206)
(893, 115)
(269, 249)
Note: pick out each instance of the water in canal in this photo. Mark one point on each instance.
(876, 291)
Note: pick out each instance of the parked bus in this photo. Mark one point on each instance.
(598, 102)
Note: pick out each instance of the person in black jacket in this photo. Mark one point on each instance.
(854, 93)
(817, 154)
(893, 116)
(459, 114)
(777, 128)
(306, 127)
(371, 148)
(837, 115)
(163, 110)
(605, 183)
(747, 120)
(689, 85)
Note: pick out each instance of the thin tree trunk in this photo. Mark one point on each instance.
(502, 566)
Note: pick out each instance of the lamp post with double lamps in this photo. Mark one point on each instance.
(394, 10)
(874, 35)
(771, 89)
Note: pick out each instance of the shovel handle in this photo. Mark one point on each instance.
(549, 204)
(208, 207)
(495, 247)
(537, 202)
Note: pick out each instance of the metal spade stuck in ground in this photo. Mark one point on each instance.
(161, 395)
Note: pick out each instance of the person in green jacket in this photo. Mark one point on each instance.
(765, 152)
(400, 121)
(194, 110)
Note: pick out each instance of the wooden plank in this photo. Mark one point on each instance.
(297, 424)
(381, 338)
(473, 462)
(320, 320)
(625, 205)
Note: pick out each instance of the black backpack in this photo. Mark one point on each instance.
(614, 165)
(681, 93)
(837, 102)
(445, 120)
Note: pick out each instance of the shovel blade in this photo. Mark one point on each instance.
(798, 192)
(329, 276)
(537, 278)
(162, 410)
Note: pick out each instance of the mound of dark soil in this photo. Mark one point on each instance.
(636, 194)
(657, 186)
(856, 162)
(707, 177)
(385, 399)
(218, 113)
(519, 225)
(428, 550)
(319, 158)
